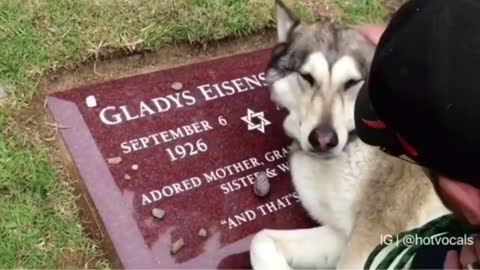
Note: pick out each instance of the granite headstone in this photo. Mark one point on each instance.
(169, 160)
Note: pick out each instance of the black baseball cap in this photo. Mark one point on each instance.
(422, 96)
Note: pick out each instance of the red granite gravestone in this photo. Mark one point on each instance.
(193, 152)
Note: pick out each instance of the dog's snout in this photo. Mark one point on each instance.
(323, 139)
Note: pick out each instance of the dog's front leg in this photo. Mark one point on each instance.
(357, 249)
(315, 248)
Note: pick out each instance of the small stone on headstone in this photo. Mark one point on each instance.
(177, 245)
(91, 101)
(134, 167)
(262, 185)
(127, 177)
(114, 160)
(158, 213)
(202, 233)
(177, 86)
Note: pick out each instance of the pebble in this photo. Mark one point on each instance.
(91, 101)
(262, 185)
(114, 160)
(158, 213)
(134, 167)
(177, 245)
(202, 233)
(127, 177)
(177, 86)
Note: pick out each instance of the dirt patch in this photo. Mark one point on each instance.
(101, 70)
(392, 5)
(327, 11)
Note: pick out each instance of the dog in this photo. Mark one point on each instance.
(358, 194)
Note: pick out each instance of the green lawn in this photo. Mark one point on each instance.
(39, 222)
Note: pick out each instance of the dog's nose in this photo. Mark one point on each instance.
(323, 139)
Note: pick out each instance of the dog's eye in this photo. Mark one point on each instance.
(351, 83)
(307, 77)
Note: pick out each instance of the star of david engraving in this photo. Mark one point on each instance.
(256, 120)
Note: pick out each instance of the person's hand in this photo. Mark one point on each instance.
(372, 32)
(469, 257)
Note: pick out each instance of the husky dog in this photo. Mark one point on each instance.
(357, 193)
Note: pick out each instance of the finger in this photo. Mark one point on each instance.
(477, 247)
(452, 261)
(467, 255)
(372, 32)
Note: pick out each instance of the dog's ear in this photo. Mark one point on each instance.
(285, 20)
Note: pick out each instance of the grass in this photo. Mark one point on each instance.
(39, 221)
(361, 11)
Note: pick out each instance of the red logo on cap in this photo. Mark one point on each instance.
(407, 147)
(374, 124)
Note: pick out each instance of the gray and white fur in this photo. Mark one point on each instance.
(356, 192)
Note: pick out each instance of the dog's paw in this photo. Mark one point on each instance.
(350, 261)
(264, 255)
